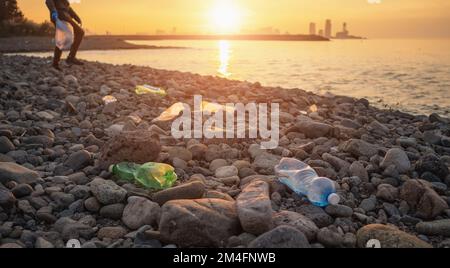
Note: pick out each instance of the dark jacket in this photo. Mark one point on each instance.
(65, 12)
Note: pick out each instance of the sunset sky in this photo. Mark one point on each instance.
(371, 18)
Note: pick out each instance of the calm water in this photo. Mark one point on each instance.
(411, 75)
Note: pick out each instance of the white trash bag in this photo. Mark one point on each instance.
(63, 35)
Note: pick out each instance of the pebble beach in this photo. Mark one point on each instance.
(58, 137)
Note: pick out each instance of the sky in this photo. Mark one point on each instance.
(369, 18)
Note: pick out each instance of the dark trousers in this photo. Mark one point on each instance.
(78, 37)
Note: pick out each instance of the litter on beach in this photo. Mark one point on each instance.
(147, 89)
(109, 99)
(157, 176)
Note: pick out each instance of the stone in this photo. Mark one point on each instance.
(180, 152)
(78, 160)
(389, 237)
(7, 199)
(217, 163)
(281, 237)
(199, 223)
(360, 148)
(264, 163)
(107, 192)
(313, 129)
(139, 212)
(198, 150)
(113, 211)
(92, 204)
(133, 146)
(330, 238)
(79, 178)
(316, 214)
(192, 190)
(434, 228)
(22, 190)
(339, 211)
(25, 207)
(43, 140)
(387, 192)
(357, 169)
(111, 232)
(226, 171)
(20, 174)
(398, 158)
(42, 243)
(298, 221)
(432, 163)
(368, 204)
(6, 145)
(254, 208)
(80, 191)
(420, 196)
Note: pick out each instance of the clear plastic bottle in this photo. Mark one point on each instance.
(303, 180)
(150, 175)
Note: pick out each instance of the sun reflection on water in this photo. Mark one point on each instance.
(224, 58)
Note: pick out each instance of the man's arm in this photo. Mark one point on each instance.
(51, 5)
(74, 15)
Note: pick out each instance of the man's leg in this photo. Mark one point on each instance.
(79, 34)
(57, 58)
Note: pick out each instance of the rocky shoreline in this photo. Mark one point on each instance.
(45, 44)
(57, 136)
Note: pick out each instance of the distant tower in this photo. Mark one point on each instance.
(344, 27)
(312, 28)
(320, 32)
(328, 29)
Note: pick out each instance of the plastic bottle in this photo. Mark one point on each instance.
(150, 175)
(303, 180)
(147, 89)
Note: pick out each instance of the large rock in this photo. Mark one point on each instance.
(281, 237)
(420, 196)
(298, 221)
(314, 129)
(192, 190)
(389, 237)
(107, 192)
(13, 172)
(360, 148)
(135, 146)
(199, 223)
(139, 212)
(438, 227)
(398, 158)
(254, 208)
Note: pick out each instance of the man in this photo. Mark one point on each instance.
(60, 9)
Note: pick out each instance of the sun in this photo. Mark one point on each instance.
(225, 17)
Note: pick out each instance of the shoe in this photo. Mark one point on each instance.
(74, 61)
(56, 67)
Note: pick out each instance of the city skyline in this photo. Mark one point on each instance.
(400, 18)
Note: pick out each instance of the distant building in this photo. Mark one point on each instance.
(321, 32)
(312, 28)
(344, 34)
(328, 28)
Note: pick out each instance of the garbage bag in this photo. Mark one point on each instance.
(63, 35)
